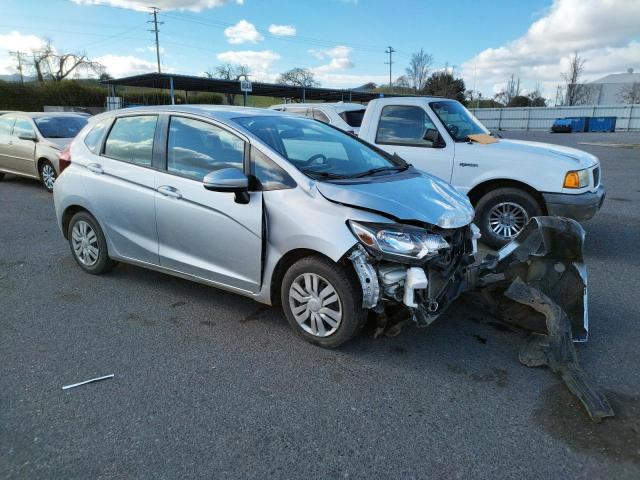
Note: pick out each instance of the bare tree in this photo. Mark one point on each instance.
(418, 70)
(511, 91)
(300, 77)
(576, 93)
(49, 64)
(229, 71)
(631, 93)
(402, 82)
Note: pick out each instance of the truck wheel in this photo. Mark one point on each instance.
(501, 214)
(322, 302)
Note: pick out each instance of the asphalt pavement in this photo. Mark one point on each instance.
(210, 384)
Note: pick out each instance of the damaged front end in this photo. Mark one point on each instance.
(537, 282)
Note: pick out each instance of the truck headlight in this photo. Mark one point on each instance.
(398, 240)
(576, 179)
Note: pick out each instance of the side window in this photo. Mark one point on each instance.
(269, 174)
(22, 127)
(318, 115)
(94, 137)
(196, 148)
(404, 125)
(6, 124)
(131, 139)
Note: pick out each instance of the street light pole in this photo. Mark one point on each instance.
(390, 51)
(154, 12)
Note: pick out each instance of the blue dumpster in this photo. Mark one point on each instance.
(570, 124)
(602, 124)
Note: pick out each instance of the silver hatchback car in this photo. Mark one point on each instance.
(272, 206)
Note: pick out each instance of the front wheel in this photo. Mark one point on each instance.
(501, 215)
(322, 302)
(48, 175)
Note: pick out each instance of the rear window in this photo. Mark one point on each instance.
(93, 139)
(353, 117)
(60, 127)
(131, 139)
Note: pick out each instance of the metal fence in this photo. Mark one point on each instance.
(541, 118)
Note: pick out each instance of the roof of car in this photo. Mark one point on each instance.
(49, 114)
(217, 112)
(335, 105)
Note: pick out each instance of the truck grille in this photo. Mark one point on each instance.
(596, 176)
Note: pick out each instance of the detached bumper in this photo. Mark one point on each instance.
(579, 207)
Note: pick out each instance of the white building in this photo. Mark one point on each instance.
(616, 88)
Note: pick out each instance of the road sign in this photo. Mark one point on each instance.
(245, 86)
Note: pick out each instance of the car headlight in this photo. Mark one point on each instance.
(576, 179)
(398, 240)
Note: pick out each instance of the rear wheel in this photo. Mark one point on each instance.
(48, 175)
(322, 302)
(501, 215)
(88, 245)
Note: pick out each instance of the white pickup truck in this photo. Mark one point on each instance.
(507, 181)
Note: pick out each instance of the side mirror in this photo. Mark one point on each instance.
(231, 180)
(28, 136)
(432, 135)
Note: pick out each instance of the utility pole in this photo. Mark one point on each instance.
(390, 51)
(18, 54)
(154, 12)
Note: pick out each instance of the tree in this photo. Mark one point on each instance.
(402, 82)
(228, 71)
(576, 93)
(536, 99)
(49, 64)
(511, 91)
(104, 76)
(418, 69)
(631, 93)
(444, 84)
(299, 77)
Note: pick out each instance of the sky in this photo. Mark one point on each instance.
(342, 42)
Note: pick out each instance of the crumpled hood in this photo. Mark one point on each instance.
(406, 196)
(514, 148)
(58, 143)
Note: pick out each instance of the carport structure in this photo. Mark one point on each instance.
(190, 83)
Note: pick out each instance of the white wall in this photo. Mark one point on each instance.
(541, 118)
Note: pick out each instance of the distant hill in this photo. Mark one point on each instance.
(15, 77)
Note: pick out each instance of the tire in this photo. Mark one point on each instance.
(348, 303)
(94, 261)
(48, 175)
(515, 204)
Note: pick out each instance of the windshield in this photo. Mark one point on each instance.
(319, 150)
(459, 121)
(353, 117)
(60, 127)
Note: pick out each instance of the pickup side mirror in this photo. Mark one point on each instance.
(432, 135)
(28, 136)
(231, 180)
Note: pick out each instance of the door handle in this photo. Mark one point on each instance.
(169, 191)
(95, 168)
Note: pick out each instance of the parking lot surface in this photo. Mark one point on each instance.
(210, 384)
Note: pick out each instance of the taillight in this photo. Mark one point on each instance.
(64, 160)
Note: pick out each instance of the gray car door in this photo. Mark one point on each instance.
(6, 127)
(203, 233)
(120, 177)
(21, 151)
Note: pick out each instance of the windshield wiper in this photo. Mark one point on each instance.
(314, 173)
(399, 168)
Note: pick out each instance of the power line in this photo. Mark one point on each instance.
(154, 12)
(390, 51)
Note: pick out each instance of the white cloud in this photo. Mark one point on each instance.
(339, 57)
(126, 65)
(144, 5)
(258, 61)
(604, 32)
(150, 48)
(242, 32)
(282, 30)
(341, 80)
(12, 42)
